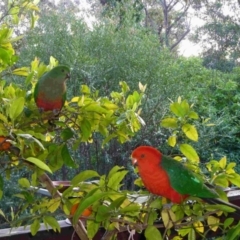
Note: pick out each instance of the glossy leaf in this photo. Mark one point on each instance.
(177, 109)
(166, 217)
(67, 158)
(115, 179)
(189, 152)
(102, 213)
(39, 163)
(192, 234)
(234, 178)
(23, 182)
(54, 204)
(199, 226)
(66, 134)
(87, 202)
(172, 140)
(220, 207)
(223, 162)
(152, 233)
(16, 108)
(213, 223)
(35, 227)
(193, 115)
(228, 222)
(51, 221)
(82, 176)
(190, 131)
(169, 123)
(92, 228)
(233, 233)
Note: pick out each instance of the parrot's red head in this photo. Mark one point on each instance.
(145, 155)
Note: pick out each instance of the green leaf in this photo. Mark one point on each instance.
(228, 222)
(39, 163)
(84, 176)
(114, 170)
(192, 234)
(35, 227)
(66, 134)
(190, 131)
(114, 181)
(67, 158)
(172, 140)
(223, 162)
(51, 221)
(23, 182)
(168, 217)
(131, 210)
(54, 204)
(184, 231)
(220, 207)
(23, 71)
(190, 153)
(233, 233)
(118, 202)
(193, 115)
(198, 226)
(169, 123)
(16, 108)
(234, 178)
(213, 223)
(102, 213)
(92, 228)
(85, 129)
(180, 109)
(151, 217)
(87, 202)
(85, 89)
(221, 180)
(152, 233)
(55, 160)
(229, 168)
(157, 203)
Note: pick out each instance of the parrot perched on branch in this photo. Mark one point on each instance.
(50, 90)
(166, 177)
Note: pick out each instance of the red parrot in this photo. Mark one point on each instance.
(168, 178)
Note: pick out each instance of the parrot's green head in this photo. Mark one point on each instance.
(60, 72)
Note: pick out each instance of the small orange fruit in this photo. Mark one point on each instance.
(87, 212)
(4, 144)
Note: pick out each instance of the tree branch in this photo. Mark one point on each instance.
(48, 184)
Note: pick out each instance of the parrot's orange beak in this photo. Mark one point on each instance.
(134, 161)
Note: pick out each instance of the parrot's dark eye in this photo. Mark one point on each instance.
(142, 156)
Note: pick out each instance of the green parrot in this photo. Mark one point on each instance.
(50, 90)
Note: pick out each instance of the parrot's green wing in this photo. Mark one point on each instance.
(184, 181)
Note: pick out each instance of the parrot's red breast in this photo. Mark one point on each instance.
(154, 178)
(43, 102)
